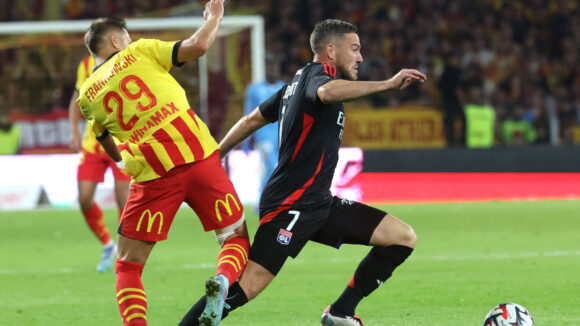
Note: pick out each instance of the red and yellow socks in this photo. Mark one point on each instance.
(96, 222)
(233, 258)
(130, 293)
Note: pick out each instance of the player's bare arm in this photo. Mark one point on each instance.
(246, 126)
(111, 148)
(199, 43)
(74, 115)
(341, 90)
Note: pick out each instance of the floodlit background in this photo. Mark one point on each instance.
(481, 159)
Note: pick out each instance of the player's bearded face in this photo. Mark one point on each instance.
(349, 56)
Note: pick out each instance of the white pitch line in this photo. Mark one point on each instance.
(498, 256)
(206, 265)
(84, 270)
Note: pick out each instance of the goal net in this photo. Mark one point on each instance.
(38, 62)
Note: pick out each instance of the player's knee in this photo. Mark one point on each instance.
(409, 237)
(85, 202)
(235, 230)
(252, 290)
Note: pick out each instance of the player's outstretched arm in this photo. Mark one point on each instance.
(199, 43)
(241, 130)
(341, 90)
(111, 148)
(74, 116)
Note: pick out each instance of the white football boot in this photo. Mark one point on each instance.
(330, 320)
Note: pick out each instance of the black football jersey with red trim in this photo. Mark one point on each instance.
(309, 135)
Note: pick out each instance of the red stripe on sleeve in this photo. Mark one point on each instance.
(190, 138)
(192, 115)
(306, 125)
(334, 71)
(125, 147)
(287, 204)
(325, 68)
(152, 159)
(86, 64)
(172, 150)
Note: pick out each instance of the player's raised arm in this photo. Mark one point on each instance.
(198, 44)
(341, 90)
(241, 130)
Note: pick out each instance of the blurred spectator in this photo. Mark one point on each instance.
(517, 129)
(479, 121)
(448, 86)
(511, 50)
(9, 137)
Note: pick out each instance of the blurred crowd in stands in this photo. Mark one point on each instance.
(521, 58)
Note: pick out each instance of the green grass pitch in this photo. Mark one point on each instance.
(469, 257)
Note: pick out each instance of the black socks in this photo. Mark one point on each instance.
(372, 272)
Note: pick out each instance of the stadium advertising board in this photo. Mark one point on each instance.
(44, 133)
(394, 128)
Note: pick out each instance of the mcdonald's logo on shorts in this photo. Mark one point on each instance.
(150, 220)
(226, 204)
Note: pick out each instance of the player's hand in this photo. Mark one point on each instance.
(121, 165)
(214, 8)
(406, 77)
(75, 141)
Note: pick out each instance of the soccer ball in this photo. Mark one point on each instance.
(508, 314)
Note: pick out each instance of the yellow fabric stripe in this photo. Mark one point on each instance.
(201, 131)
(162, 155)
(135, 306)
(137, 315)
(179, 140)
(233, 245)
(238, 248)
(145, 170)
(230, 256)
(131, 296)
(231, 263)
(130, 289)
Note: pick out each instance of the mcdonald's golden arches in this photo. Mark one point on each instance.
(150, 220)
(227, 206)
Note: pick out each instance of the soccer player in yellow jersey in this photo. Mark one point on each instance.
(167, 150)
(91, 170)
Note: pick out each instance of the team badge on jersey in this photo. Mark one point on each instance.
(284, 237)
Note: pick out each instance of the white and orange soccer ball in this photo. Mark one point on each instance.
(508, 314)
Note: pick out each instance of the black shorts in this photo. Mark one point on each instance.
(339, 221)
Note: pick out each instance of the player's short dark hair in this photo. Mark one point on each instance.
(327, 29)
(95, 36)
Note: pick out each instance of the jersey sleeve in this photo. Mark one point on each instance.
(165, 53)
(98, 129)
(82, 72)
(317, 78)
(269, 108)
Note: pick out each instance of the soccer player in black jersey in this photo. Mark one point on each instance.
(296, 205)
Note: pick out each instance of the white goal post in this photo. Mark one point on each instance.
(229, 25)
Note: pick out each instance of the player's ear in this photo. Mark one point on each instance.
(116, 40)
(330, 51)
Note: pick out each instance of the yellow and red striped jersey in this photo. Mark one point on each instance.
(84, 70)
(133, 97)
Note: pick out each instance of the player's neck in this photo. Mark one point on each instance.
(323, 59)
(104, 56)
